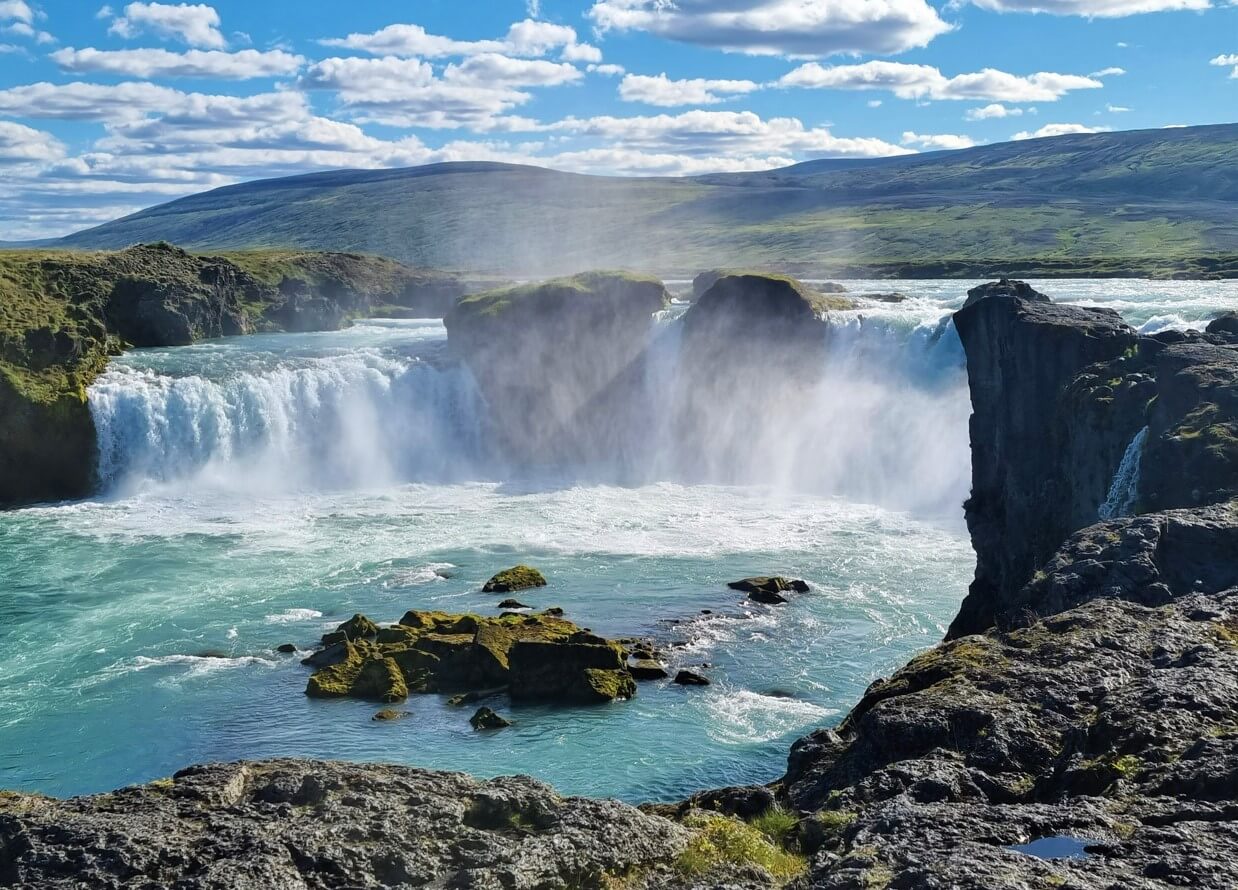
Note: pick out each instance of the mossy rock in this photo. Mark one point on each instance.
(355, 628)
(521, 577)
(444, 652)
(488, 719)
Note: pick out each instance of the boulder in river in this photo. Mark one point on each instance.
(691, 678)
(647, 669)
(355, 628)
(769, 590)
(519, 577)
(1006, 287)
(488, 719)
(535, 657)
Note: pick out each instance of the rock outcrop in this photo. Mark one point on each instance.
(1005, 287)
(516, 578)
(534, 657)
(705, 280)
(547, 356)
(315, 824)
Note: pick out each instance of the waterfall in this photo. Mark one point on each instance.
(885, 424)
(354, 420)
(1125, 486)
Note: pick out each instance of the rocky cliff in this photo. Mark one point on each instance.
(1058, 395)
(62, 314)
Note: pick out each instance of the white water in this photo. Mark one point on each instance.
(1125, 486)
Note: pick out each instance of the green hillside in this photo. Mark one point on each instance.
(1144, 202)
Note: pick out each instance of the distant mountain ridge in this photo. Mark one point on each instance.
(1146, 201)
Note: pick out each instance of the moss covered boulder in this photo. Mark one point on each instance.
(546, 355)
(519, 577)
(535, 657)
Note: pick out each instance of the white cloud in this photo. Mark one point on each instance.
(937, 141)
(873, 103)
(195, 24)
(724, 134)
(494, 68)
(406, 92)
(1091, 8)
(1225, 61)
(24, 29)
(926, 82)
(524, 38)
(663, 91)
(986, 112)
(607, 70)
(85, 101)
(1116, 109)
(149, 63)
(1108, 72)
(581, 52)
(19, 143)
(778, 27)
(16, 9)
(1058, 130)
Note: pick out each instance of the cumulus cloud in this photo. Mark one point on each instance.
(525, 38)
(149, 63)
(926, 82)
(1058, 130)
(18, 10)
(937, 141)
(779, 27)
(404, 92)
(1091, 8)
(987, 112)
(195, 24)
(19, 143)
(85, 101)
(661, 90)
(581, 52)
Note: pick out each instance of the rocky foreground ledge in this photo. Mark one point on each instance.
(1087, 703)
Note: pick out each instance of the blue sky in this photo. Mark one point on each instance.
(108, 109)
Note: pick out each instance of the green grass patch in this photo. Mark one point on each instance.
(721, 841)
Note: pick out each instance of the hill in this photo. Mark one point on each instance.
(1143, 202)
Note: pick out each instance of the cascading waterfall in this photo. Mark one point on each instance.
(355, 420)
(886, 424)
(1125, 486)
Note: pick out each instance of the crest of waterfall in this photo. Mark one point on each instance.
(1125, 486)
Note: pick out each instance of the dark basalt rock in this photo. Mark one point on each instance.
(769, 590)
(647, 669)
(388, 715)
(1006, 287)
(691, 678)
(513, 604)
(299, 823)
(705, 280)
(1021, 358)
(1226, 323)
(487, 719)
(286, 648)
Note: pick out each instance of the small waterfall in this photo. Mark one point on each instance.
(1125, 486)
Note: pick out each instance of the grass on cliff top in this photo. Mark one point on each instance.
(491, 303)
